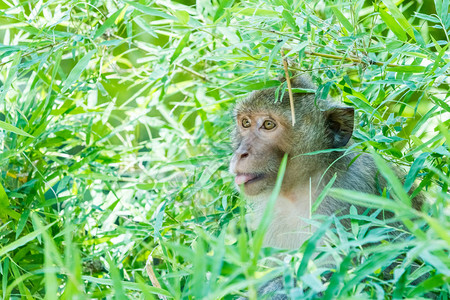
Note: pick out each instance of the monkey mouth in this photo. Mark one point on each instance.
(245, 178)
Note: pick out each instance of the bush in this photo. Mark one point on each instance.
(114, 130)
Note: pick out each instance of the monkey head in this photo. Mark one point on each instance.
(264, 132)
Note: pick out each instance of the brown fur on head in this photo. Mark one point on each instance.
(258, 151)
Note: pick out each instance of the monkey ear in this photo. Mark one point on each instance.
(340, 121)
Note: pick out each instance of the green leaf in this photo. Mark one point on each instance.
(5, 273)
(150, 11)
(268, 211)
(126, 284)
(439, 228)
(255, 12)
(311, 246)
(419, 38)
(9, 127)
(143, 24)
(367, 200)
(12, 73)
(429, 284)
(323, 194)
(200, 269)
(182, 16)
(439, 58)
(107, 24)
(415, 168)
(363, 105)
(392, 179)
(407, 69)
(4, 203)
(116, 279)
(374, 262)
(344, 21)
(252, 86)
(51, 282)
(22, 221)
(397, 14)
(289, 20)
(77, 70)
(24, 240)
(272, 55)
(337, 279)
(393, 25)
(221, 9)
(424, 119)
(20, 279)
(180, 47)
(426, 17)
(303, 91)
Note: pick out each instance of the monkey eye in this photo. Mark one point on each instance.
(268, 124)
(246, 123)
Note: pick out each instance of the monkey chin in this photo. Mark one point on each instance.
(253, 184)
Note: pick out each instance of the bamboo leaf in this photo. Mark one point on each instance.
(77, 70)
(126, 284)
(9, 127)
(181, 45)
(323, 194)
(24, 240)
(150, 11)
(397, 14)
(22, 221)
(415, 168)
(434, 281)
(107, 24)
(407, 69)
(221, 9)
(392, 180)
(393, 25)
(344, 21)
(289, 20)
(268, 212)
(12, 73)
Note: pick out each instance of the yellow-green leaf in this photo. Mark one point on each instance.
(407, 69)
(397, 14)
(9, 127)
(344, 21)
(4, 202)
(393, 25)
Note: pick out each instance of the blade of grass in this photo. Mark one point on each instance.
(9, 127)
(77, 70)
(24, 240)
(268, 212)
(344, 21)
(392, 179)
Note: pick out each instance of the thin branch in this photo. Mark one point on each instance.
(353, 59)
(202, 77)
(151, 274)
(288, 80)
(28, 53)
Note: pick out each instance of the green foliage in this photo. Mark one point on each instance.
(114, 138)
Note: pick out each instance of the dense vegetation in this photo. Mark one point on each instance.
(114, 138)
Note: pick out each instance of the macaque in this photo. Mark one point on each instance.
(264, 133)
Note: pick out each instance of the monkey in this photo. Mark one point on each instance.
(264, 132)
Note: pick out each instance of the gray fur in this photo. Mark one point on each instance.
(319, 125)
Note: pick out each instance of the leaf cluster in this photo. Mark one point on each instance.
(114, 144)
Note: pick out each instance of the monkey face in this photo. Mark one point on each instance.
(260, 140)
(264, 132)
